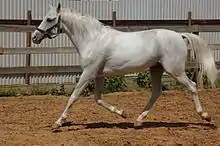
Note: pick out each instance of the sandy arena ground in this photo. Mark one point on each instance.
(172, 121)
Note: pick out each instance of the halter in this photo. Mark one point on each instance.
(46, 32)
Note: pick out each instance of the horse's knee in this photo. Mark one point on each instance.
(194, 84)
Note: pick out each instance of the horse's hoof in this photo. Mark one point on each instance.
(124, 114)
(55, 127)
(206, 116)
(138, 124)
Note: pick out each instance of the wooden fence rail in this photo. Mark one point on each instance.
(74, 69)
(178, 28)
(57, 50)
(38, 50)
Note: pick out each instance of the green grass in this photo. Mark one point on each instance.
(66, 90)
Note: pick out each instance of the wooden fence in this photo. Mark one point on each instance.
(29, 27)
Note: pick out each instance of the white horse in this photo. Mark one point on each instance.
(106, 52)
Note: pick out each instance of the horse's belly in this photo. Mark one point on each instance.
(110, 71)
(128, 67)
(130, 59)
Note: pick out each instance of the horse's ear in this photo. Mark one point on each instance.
(58, 8)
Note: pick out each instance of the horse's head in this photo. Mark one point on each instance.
(49, 27)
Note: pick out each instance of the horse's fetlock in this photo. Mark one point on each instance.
(99, 102)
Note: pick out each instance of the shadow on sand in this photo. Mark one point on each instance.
(125, 125)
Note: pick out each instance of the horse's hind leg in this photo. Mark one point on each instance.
(192, 87)
(156, 76)
(177, 71)
(99, 85)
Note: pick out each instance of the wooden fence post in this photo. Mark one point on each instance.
(28, 45)
(114, 18)
(189, 25)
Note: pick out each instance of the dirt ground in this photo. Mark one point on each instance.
(172, 121)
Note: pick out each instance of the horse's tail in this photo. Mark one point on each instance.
(203, 55)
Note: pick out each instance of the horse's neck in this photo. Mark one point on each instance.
(79, 32)
(68, 33)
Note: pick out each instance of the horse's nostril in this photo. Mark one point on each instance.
(34, 38)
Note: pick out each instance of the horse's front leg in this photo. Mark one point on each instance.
(99, 85)
(83, 82)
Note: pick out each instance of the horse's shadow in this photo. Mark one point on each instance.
(126, 125)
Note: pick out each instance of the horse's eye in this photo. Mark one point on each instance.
(50, 19)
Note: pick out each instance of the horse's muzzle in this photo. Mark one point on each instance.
(37, 40)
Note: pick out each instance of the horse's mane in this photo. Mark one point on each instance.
(84, 18)
(84, 27)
